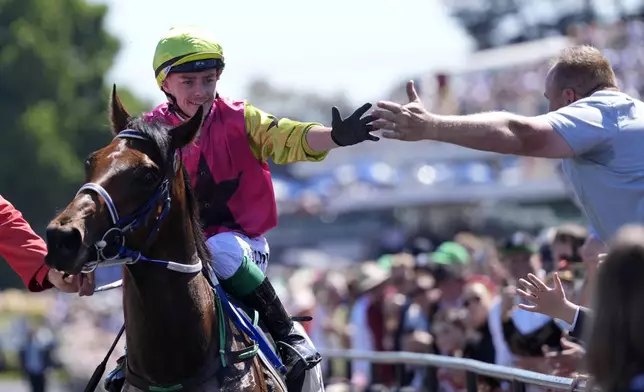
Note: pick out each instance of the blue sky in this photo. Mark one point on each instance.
(359, 47)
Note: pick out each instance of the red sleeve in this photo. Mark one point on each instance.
(23, 249)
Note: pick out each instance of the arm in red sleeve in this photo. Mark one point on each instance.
(23, 249)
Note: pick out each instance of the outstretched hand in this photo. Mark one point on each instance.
(353, 129)
(410, 122)
(550, 301)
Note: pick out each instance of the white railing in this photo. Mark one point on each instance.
(518, 376)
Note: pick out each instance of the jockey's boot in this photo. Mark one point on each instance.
(297, 354)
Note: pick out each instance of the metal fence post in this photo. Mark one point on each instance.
(471, 381)
(518, 386)
(400, 374)
(431, 379)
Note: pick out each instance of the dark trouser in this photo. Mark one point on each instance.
(37, 382)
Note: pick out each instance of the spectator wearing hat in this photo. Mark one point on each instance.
(402, 285)
(330, 328)
(519, 335)
(440, 277)
(566, 245)
(439, 280)
(367, 333)
(450, 263)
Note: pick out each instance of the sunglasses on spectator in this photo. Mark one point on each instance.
(472, 300)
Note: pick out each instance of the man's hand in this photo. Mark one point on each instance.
(592, 250)
(549, 301)
(579, 381)
(353, 129)
(508, 300)
(418, 342)
(534, 364)
(565, 362)
(82, 284)
(409, 122)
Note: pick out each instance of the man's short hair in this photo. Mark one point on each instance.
(584, 69)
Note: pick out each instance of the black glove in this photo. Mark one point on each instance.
(353, 129)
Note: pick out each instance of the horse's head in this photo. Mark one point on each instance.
(129, 185)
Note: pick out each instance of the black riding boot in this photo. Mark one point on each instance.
(296, 353)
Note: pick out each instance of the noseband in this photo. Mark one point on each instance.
(114, 238)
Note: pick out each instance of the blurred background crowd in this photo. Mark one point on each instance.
(445, 299)
(389, 246)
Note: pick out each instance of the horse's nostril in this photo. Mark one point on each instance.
(64, 239)
(70, 242)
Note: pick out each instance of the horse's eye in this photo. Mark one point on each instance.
(90, 160)
(150, 178)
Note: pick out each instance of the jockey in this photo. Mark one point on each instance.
(228, 169)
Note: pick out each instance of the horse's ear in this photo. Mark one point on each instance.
(185, 132)
(119, 117)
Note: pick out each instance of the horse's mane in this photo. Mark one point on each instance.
(159, 134)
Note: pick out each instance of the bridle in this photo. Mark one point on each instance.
(115, 236)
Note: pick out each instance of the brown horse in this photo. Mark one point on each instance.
(137, 209)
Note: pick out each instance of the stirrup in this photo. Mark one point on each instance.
(307, 364)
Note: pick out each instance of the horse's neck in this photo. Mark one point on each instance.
(169, 315)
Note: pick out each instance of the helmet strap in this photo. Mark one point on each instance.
(173, 106)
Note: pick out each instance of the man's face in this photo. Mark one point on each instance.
(556, 96)
(561, 250)
(519, 264)
(193, 89)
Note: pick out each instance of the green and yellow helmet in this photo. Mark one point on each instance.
(186, 49)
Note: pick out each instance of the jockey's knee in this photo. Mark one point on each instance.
(234, 263)
(225, 268)
(228, 253)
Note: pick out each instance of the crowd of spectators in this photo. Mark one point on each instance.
(520, 88)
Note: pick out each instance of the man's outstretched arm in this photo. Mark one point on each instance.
(570, 131)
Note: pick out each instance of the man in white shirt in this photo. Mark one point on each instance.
(597, 130)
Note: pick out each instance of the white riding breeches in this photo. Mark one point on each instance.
(229, 249)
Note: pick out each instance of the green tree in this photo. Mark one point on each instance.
(53, 100)
(53, 58)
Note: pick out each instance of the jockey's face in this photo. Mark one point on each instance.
(193, 89)
(557, 96)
